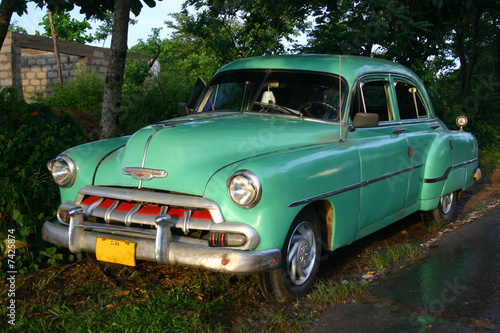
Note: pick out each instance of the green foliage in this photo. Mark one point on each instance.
(15, 27)
(66, 28)
(30, 135)
(151, 102)
(84, 92)
(245, 28)
(481, 106)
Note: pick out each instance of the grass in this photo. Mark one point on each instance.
(114, 310)
(489, 159)
(381, 259)
(329, 293)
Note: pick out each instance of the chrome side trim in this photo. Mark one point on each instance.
(447, 171)
(354, 186)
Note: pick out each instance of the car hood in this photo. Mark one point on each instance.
(191, 149)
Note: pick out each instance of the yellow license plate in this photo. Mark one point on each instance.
(115, 251)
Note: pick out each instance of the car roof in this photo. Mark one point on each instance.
(350, 67)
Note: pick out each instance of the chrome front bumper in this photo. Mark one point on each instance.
(163, 248)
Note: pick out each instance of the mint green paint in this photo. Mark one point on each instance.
(282, 174)
(86, 158)
(191, 152)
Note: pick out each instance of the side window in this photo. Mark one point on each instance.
(409, 101)
(372, 97)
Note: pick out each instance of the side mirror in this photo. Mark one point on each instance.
(364, 120)
(183, 109)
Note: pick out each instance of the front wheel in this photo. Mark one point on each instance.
(300, 261)
(444, 213)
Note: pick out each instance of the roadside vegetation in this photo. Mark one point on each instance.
(60, 291)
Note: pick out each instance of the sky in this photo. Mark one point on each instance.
(147, 19)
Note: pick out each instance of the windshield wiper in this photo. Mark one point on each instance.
(280, 108)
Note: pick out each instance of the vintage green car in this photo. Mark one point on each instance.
(277, 159)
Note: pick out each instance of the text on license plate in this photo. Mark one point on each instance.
(115, 251)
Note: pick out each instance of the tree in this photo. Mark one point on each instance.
(116, 66)
(66, 28)
(390, 29)
(106, 28)
(244, 28)
(114, 77)
(7, 8)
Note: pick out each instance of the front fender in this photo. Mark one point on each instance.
(291, 180)
(87, 157)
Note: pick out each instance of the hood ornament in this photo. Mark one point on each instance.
(144, 174)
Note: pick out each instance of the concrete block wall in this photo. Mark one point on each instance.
(29, 63)
(39, 70)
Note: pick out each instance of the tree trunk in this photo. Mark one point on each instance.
(56, 50)
(116, 67)
(6, 10)
(496, 62)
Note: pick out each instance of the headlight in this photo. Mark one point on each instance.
(244, 188)
(63, 170)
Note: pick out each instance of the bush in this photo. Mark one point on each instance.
(154, 101)
(481, 106)
(84, 92)
(30, 135)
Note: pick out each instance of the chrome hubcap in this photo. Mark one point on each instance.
(446, 203)
(301, 253)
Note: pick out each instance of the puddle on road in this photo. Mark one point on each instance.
(452, 282)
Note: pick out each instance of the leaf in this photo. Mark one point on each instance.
(122, 293)
(15, 214)
(17, 245)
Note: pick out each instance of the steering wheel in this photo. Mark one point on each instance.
(322, 110)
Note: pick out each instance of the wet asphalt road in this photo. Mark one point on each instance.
(455, 288)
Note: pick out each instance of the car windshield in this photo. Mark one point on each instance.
(300, 93)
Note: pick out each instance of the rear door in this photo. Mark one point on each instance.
(412, 109)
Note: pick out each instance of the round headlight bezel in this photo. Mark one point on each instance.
(240, 180)
(63, 170)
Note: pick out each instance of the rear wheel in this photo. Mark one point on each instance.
(444, 213)
(300, 261)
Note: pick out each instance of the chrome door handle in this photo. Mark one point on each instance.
(398, 130)
(434, 126)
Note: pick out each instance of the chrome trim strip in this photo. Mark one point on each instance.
(447, 171)
(145, 151)
(111, 209)
(130, 214)
(111, 228)
(90, 209)
(354, 186)
(186, 220)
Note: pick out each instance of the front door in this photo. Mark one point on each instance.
(383, 152)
